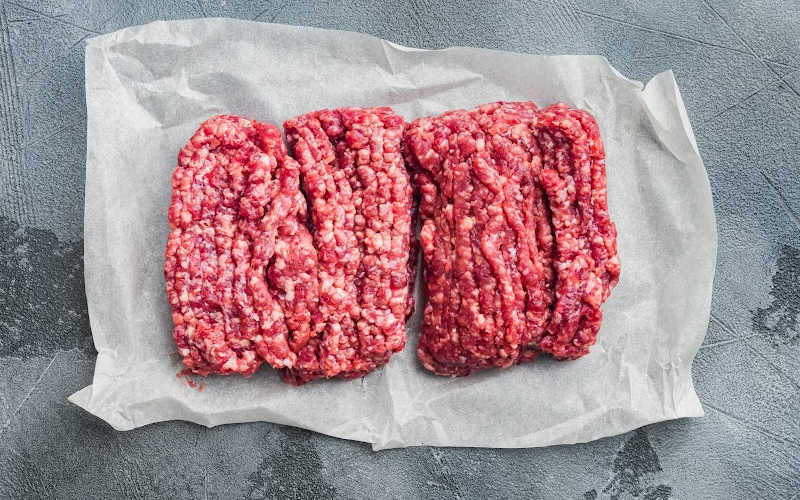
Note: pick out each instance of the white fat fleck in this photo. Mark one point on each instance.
(230, 364)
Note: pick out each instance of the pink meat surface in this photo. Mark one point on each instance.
(516, 262)
(246, 279)
(518, 246)
(586, 262)
(360, 204)
(240, 265)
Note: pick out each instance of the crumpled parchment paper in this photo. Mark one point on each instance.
(149, 87)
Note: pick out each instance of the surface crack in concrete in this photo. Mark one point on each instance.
(736, 104)
(664, 32)
(52, 17)
(775, 367)
(784, 204)
(725, 326)
(750, 49)
(784, 65)
(751, 425)
(755, 351)
(274, 15)
(63, 53)
(28, 395)
(730, 341)
(81, 120)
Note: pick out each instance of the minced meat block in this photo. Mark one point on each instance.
(360, 200)
(574, 178)
(505, 271)
(240, 265)
(487, 272)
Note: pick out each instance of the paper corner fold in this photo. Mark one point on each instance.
(82, 397)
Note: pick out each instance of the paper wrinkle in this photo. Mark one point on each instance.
(149, 87)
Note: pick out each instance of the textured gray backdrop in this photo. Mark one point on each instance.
(738, 65)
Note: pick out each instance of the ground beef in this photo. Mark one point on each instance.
(240, 265)
(488, 295)
(518, 246)
(586, 260)
(246, 279)
(507, 272)
(360, 200)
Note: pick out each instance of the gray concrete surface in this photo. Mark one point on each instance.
(738, 65)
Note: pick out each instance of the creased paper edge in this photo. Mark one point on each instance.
(666, 83)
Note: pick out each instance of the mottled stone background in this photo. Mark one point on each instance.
(738, 65)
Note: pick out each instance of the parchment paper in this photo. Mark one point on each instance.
(149, 87)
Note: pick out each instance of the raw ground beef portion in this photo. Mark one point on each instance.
(586, 262)
(503, 272)
(487, 275)
(240, 265)
(360, 200)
